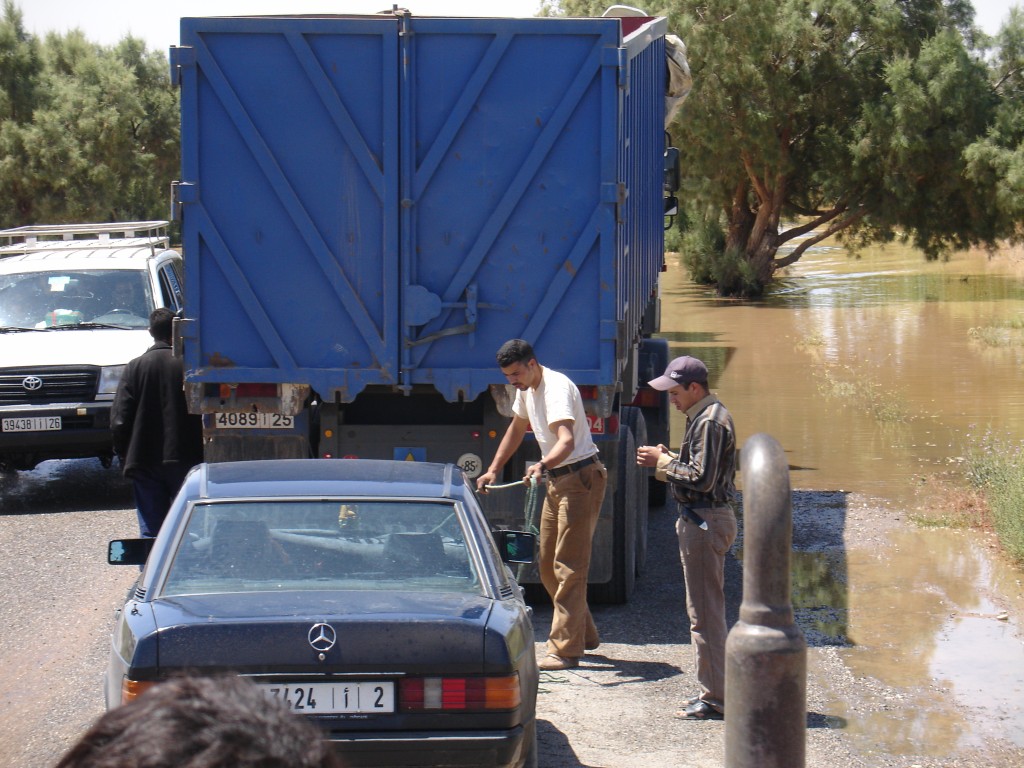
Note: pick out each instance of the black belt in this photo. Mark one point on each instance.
(574, 467)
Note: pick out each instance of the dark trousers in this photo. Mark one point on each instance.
(155, 489)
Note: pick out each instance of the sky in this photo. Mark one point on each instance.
(156, 21)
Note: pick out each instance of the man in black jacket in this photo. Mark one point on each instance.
(154, 434)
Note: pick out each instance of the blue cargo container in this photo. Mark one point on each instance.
(370, 206)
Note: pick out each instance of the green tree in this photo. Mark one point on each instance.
(95, 139)
(996, 162)
(851, 118)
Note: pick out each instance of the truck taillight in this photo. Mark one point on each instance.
(256, 390)
(461, 694)
(647, 398)
(588, 392)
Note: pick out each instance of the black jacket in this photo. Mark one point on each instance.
(149, 419)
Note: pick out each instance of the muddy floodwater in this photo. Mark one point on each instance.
(875, 375)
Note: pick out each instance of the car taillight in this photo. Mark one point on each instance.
(132, 689)
(458, 693)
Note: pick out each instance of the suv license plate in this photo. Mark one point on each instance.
(32, 424)
(334, 698)
(253, 421)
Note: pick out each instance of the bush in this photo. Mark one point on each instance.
(997, 469)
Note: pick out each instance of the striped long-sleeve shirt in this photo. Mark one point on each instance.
(704, 470)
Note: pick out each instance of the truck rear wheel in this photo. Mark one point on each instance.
(624, 506)
(634, 419)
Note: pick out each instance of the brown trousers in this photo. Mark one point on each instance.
(568, 519)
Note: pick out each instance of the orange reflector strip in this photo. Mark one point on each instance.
(132, 689)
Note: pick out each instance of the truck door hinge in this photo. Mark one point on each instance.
(618, 58)
(616, 194)
(181, 57)
(182, 192)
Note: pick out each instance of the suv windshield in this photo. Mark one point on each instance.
(69, 298)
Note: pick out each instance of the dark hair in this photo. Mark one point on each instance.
(202, 722)
(514, 351)
(161, 324)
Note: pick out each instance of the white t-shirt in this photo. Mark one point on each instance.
(556, 399)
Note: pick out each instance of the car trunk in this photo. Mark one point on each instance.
(270, 632)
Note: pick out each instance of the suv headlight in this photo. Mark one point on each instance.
(110, 377)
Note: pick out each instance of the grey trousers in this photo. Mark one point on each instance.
(703, 557)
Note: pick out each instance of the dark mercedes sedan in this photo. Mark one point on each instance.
(371, 596)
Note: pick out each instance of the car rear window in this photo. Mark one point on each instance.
(316, 544)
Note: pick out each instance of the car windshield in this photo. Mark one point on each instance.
(405, 545)
(41, 300)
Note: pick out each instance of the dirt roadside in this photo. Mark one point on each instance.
(614, 711)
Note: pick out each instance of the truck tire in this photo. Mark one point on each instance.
(654, 356)
(618, 589)
(634, 419)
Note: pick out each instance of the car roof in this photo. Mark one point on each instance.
(327, 477)
(119, 245)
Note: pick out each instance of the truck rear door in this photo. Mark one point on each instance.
(385, 200)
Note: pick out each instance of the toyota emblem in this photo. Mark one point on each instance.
(322, 637)
(32, 383)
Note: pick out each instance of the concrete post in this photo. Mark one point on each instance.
(765, 654)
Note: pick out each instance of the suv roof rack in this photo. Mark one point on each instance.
(110, 235)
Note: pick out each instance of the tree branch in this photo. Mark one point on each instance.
(796, 253)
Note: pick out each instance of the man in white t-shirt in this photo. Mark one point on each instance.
(549, 403)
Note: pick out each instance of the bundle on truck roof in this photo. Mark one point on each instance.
(371, 205)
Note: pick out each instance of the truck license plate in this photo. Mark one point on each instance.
(334, 698)
(253, 421)
(32, 424)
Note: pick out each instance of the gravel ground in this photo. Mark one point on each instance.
(58, 598)
(614, 711)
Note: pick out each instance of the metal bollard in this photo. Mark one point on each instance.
(765, 654)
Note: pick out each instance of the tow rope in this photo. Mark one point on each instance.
(529, 509)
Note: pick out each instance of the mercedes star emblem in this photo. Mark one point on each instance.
(32, 383)
(322, 637)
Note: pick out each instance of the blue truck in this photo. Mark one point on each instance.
(371, 205)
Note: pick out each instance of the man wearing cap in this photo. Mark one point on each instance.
(701, 477)
(548, 402)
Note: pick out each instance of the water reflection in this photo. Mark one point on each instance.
(868, 373)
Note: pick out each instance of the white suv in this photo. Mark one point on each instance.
(74, 309)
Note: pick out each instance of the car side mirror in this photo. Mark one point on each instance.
(517, 546)
(129, 551)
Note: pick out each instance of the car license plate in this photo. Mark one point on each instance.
(253, 421)
(32, 424)
(335, 698)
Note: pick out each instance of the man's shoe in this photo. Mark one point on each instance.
(699, 710)
(553, 661)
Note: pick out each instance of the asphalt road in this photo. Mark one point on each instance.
(58, 596)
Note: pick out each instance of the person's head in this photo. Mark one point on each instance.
(161, 324)
(686, 381)
(124, 294)
(519, 364)
(202, 722)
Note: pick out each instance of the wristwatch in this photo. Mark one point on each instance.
(543, 466)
